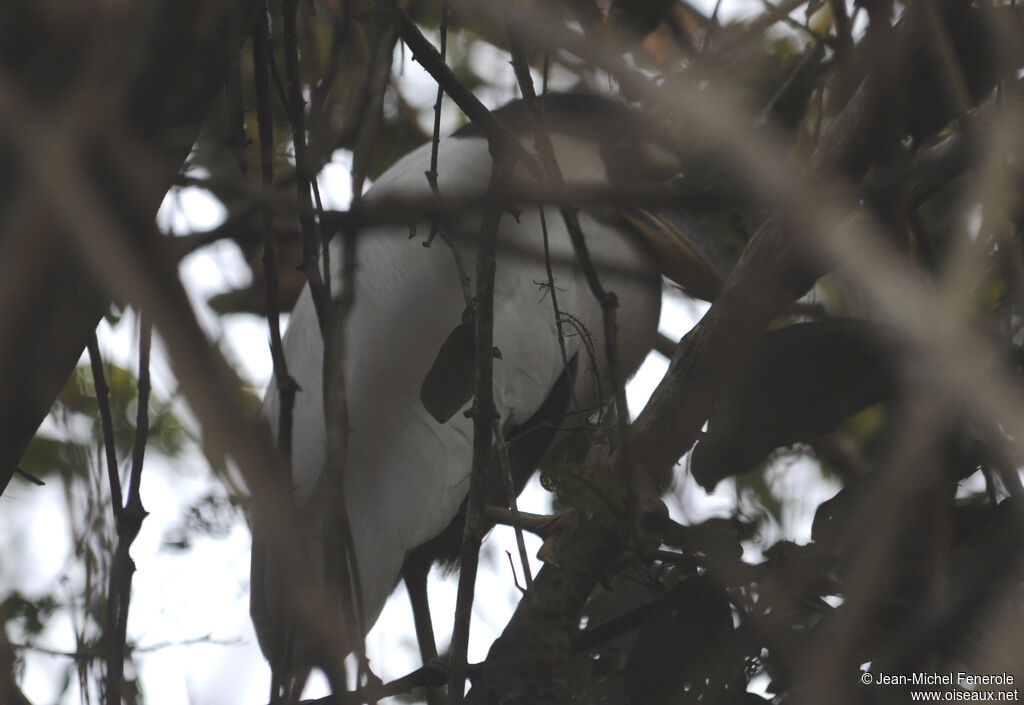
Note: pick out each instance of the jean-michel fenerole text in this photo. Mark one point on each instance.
(961, 679)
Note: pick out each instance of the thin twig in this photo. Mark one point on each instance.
(405, 209)
(484, 414)
(113, 647)
(712, 25)
(538, 524)
(425, 677)
(128, 522)
(498, 136)
(98, 652)
(236, 140)
(522, 72)
(286, 387)
(559, 325)
(296, 115)
(325, 239)
(435, 142)
(607, 300)
(425, 633)
(320, 92)
(505, 152)
(435, 139)
(347, 573)
(774, 13)
(99, 382)
(134, 504)
(510, 496)
(24, 474)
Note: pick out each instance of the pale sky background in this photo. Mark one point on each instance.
(179, 597)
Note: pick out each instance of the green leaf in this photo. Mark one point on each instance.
(49, 456)
(588, 487)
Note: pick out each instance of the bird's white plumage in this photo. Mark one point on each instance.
(407, 474)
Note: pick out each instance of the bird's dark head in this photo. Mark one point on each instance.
(597, 139)
(617, 160)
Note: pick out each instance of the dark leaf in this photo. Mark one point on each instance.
(640, 17)
(247, 300)
(801, 382)
(31, 614)
(679, 650)
(712, 537)
(213, 515)
(572, 447)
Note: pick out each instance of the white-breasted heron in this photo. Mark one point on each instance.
(408, 375)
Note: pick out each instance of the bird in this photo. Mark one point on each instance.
(408, 360)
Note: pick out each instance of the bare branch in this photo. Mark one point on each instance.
(103, 401)
(311, 248)
(498, 136)
(286, 387)
(128, 522)
(484, 414)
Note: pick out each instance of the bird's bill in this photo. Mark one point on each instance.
(683, 250)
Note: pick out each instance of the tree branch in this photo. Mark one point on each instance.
(179, 52)
(138, 270)
(484, 414)
(128, 521)
(319, 285)
(99, 382)
(498, 136)
(286, 386)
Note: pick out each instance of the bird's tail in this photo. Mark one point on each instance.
(288, 678)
